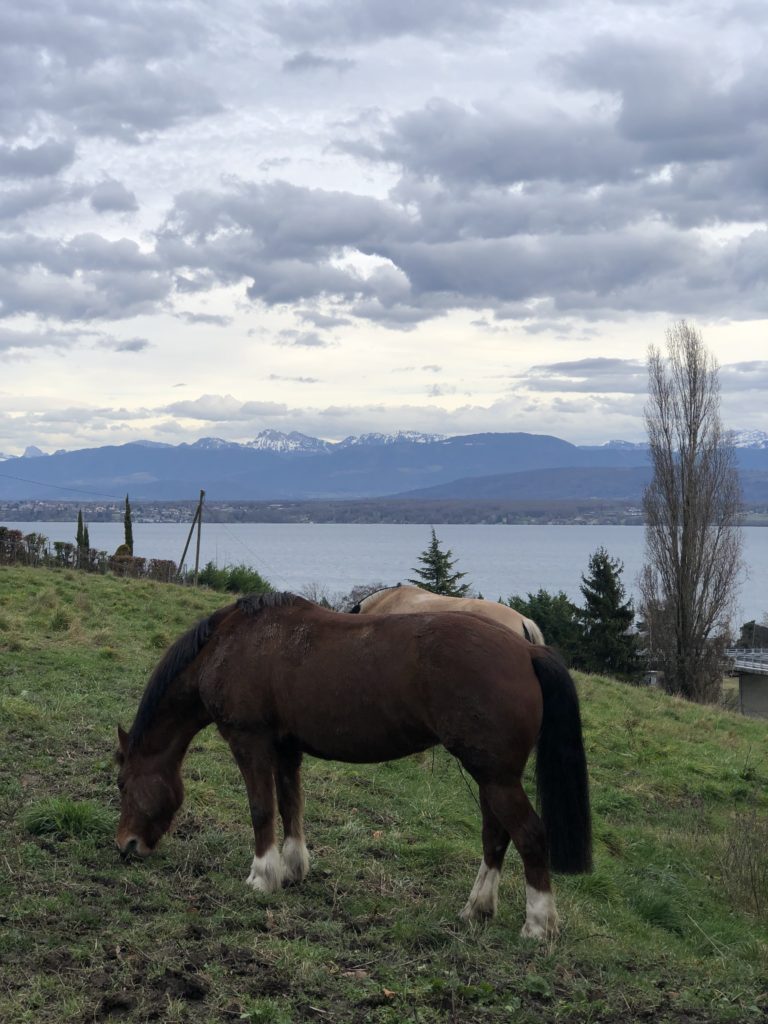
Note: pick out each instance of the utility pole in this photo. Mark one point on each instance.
(196, 521)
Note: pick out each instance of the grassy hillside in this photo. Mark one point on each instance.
(672, 925)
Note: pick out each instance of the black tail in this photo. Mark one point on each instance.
(561, 770)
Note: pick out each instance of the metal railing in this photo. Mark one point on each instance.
(753, 659)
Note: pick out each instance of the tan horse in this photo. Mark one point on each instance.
(281, 677)
(402, 600)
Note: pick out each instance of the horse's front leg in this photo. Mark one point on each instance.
(290, 801)
(255, 757)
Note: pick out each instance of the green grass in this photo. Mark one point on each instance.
(671, 926)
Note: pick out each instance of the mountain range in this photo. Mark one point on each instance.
(293, 466)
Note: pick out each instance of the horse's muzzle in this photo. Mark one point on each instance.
(132, 846)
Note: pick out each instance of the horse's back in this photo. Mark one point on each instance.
(372, 688)
(408, 600)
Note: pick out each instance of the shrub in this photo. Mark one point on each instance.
(233, 579)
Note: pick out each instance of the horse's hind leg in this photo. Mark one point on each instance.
(483, 900)
(290, 801)
(255, 759)
(513, 809)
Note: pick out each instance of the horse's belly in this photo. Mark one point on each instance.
(362, 739)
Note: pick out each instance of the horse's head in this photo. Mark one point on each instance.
(150, 796)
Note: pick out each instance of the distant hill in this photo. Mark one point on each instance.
(297, 467)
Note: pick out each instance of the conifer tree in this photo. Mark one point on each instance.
(128, 526)
(80, 537)
(606, 616)
(437, 574)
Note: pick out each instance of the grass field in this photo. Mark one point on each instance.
(671, 926)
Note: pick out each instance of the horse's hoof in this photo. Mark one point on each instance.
(474, 914)
(540, 933)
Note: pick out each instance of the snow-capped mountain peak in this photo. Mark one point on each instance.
(407, 436)
(277, 441)
(750, 439)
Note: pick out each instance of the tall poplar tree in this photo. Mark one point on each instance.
(692, 506)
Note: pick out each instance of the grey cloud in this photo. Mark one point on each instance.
(353, 21)
(209, 319)
(306, 61)
(88, 277)
(223, 408)
(322, 320)
(284, 241)
(747, 376)
(129, 345)
(19, 343)
(294, 380)
(100, 69)
(672, 100)
(17, 203)
(598, 375)
(302, 339)
(16, 343)
(113, 196)
(48, 158)
(495, 145)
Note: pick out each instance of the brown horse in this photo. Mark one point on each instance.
(280, 676)
(400, 600)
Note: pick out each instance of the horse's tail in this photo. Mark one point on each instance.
(532, 632)
(561, 770)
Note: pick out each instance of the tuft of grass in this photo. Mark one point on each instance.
(66, 819)
(60, 621)
(266, 1011)
(659, 911)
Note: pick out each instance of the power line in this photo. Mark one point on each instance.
(56, 487)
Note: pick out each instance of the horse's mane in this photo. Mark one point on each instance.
(183, 652)
(251, 604)
(356, 608)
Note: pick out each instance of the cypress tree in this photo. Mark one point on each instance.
(437, 575)
(80, 537)
(128, 526)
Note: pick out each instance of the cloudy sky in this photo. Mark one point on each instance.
(338, 216)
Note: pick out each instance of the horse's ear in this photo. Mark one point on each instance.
(122, 738)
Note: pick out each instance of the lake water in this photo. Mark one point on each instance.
(498, 560)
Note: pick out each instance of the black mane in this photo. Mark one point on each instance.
(183, 652)
(251, 604)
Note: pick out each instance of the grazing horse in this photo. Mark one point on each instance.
(281, 676)
(402, 600)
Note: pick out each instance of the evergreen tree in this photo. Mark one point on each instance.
(557, 617)
(128, 526)
(86, 539)
(437, 575)
(80, 536)
(605, 618)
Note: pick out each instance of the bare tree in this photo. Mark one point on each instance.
(692, 505)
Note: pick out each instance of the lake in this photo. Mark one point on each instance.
(498, 560)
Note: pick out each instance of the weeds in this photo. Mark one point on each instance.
(744, 862)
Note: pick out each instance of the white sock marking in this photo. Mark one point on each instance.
(267, 871)
(541, 918)
(484, 898)
(295, 860)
